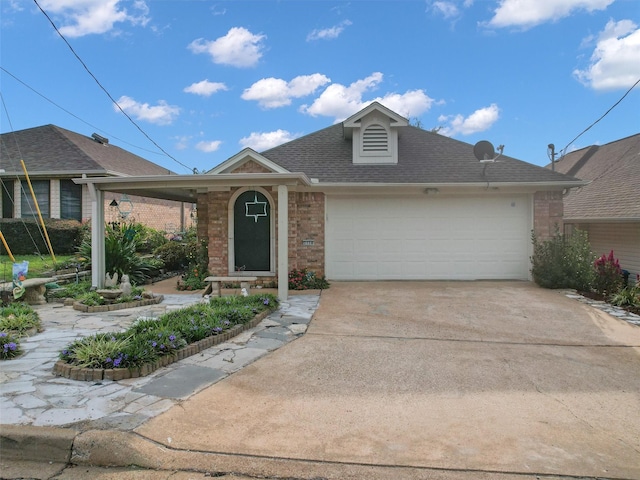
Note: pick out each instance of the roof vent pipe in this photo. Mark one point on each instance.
(100, 138)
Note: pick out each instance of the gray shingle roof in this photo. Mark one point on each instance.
(614, 172)
(423, 157)
(53, 149)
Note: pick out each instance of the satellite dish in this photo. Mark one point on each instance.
(484, 151)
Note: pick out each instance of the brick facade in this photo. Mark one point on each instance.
(306, 233)
(164, 215)
(548, 210)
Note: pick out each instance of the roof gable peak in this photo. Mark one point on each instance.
(395, 119)
(243, 157)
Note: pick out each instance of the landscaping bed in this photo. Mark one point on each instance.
(151, 343)
(117, 306)
(64, 369)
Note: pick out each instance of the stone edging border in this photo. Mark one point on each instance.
(64, 369)
(117, 306)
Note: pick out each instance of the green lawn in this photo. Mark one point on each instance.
(37, 265)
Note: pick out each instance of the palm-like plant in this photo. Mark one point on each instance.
(120, 247)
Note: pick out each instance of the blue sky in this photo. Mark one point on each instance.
(204, 79)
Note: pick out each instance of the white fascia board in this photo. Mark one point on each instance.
(396, 120)
(242, 157)
(449, 187)
(601, 220)
(56, 173)
(198, 181)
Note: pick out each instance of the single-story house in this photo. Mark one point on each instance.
(54, 155)
(370, 198)
(608, 208)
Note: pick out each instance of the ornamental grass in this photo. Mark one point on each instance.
(148, 339)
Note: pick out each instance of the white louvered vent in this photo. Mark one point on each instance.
(375, 139)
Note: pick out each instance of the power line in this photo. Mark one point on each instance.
(106, 92)
(74, 115)
(563, 151)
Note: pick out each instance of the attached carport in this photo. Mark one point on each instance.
(185, 188)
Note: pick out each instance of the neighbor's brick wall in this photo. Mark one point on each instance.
(548, 209)
(164, 215)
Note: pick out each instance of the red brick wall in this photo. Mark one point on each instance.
(548, 209)
(306, 222)
(162, 215)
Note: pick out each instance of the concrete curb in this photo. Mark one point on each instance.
(41, 444)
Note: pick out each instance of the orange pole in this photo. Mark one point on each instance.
(4, 242)
(35, 202)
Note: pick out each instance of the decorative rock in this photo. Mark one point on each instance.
(111, 281)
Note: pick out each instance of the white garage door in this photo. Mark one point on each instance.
(428, 237)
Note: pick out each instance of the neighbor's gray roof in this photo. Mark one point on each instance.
(423, 157)
(50, 148)
(614, 172)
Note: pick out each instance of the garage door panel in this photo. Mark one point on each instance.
(428, 238)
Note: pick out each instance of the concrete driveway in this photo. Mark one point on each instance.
(476, 377)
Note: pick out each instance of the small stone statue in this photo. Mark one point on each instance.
(125, 285)
(111, 281)
(244, 292)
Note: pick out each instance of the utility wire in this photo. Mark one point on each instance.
(564, 150)
(106, 92)
(74, 115)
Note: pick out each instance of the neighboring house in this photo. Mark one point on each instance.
(608, 208)
(371, 198)
(54, 156)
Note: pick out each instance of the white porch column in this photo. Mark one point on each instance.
(283, 242)
(97, 236)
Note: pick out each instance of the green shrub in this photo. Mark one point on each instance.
(608, 279)
(306, 280)
(22, 233)
(562, 262)
(18, 318)
(147, 238)
(173, 254)
(627, 297)
(71, 290)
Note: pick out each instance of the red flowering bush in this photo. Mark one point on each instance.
(609, 279)
(303, 279)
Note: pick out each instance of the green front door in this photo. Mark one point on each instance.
(252, 232)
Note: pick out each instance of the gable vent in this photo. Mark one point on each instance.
(375, 139)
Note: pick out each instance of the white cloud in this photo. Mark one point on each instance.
(266, 140)
(208, 146)
(341, 101)
(85, 17)
(478, 121)
(529, 13)
(205, 88)
(275, 92)
(615, 62)
(238, 48)
(161, 114)
(328, 33)
(446, 9)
